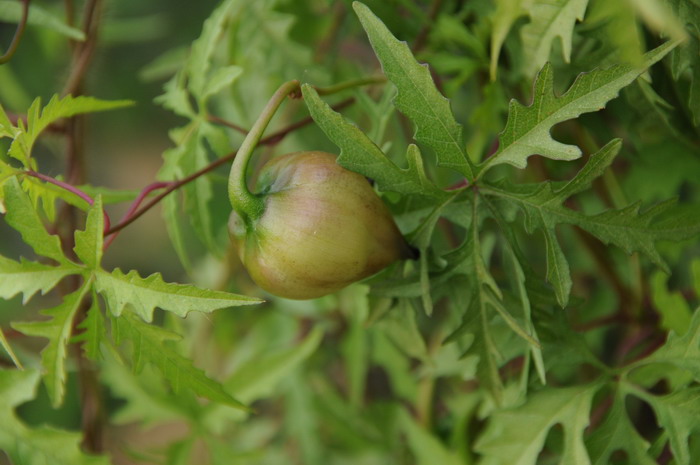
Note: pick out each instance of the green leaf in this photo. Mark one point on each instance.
(29, 278)
(199, 61)
(517, 435)
(57, 108)
(680, 350)
(672, 306)
(502, 19)
(358, 153)
(11, 12)
(257, 378)
(143, 295)
(93, 330)
(150, 346)
(678, 413)
(35, 446)
(58, 331)
(427, 449)
(88, 243)
(549, 20)
(8, 348)
(417, 97)
(527, 130)
(618, 433)
(22, 216)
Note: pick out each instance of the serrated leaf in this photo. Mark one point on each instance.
(22, 217)
(221, 78)
(29, 278)
(527, 130)
(149, 346)
(39, 119)
(358, 153)
(549, 20)
(58, 331)
(199, 61)
(143, 295)
(417, 97)
(88, 243)
(516, 436)
(11, 12)
(35, 446)
(93, 330)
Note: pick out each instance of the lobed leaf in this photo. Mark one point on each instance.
(358, 153)
(93, 329)
(22, 217)
(417, 97)
(549, 20)
(11, 11)
(516, 436)
(58, 331)
(28, 278)
(39, 119)
(89, 243)
(527, 130)
(149, 346)
(143, 295)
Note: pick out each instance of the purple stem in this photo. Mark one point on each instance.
(134, 206)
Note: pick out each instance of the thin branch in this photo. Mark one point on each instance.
(18, 34)
(423, 34)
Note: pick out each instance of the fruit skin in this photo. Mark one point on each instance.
(323, 227)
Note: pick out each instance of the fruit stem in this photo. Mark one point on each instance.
(247, 204)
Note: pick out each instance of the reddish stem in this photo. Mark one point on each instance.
(70, 188)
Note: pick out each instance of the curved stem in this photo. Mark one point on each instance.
(350, 84)
(243, 201)
(18, 34)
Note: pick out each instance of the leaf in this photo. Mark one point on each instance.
(58, 331)
(149, 346)
(618, 433)
(143, 295)
(57, 108)
(543, 210)
(29, 278)
(516, 436)
(88, 243)
(678, 413)
(527, 130)
(11, 12)
(93, 330)
(22, 216)
(257, 378)
(8, 348)
(35, 446)
(680, 350)
(426, 448)
(672, 306)
(502, 19)
(358, 153)
(417, 97)
(549, 20)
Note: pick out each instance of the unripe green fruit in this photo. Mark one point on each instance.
(323, 227)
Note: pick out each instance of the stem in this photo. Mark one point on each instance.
(133, 214)
(243, 201)
(350, 84)
(18, 34)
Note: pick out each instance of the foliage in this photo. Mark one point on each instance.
(541, 158)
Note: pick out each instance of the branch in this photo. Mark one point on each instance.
(18, 34)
